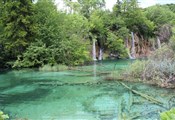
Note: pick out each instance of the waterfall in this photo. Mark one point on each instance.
(132, 46)
(158, 42)
(128, 51)
(153, 45)
(130, 57)
(100, 57)
(94, 50)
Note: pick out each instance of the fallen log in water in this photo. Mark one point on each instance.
(92, 74)
(110, 78)
(82, 70)
(79, 75)
(68, 84)
(149, 98)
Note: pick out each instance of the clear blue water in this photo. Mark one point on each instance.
(81, 94)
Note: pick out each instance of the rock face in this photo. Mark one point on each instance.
(139, 47)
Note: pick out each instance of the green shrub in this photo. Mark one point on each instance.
(68, 52)
(168, 115)
(158, 69)
(36, 55)
(3, 116)
(136, 68)
(115, 45)
(164, 53)
(71, 52)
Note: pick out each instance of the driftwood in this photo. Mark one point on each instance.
(149, 98)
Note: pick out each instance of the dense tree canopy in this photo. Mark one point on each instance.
(160, 15)
(163, 19)
(35, 34)
(17, 27)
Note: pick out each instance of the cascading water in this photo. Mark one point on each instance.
(153, 45)
(158, 42)
(100, 57)
(94, 50)
(132, 55)
(128, 51)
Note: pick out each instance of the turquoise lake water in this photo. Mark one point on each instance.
(81, 94)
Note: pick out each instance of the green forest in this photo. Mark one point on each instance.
(33, 36)
(37, 34)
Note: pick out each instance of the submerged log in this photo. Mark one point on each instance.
(68, 84)
(84, 75)
(149, 98)
(111, 78)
